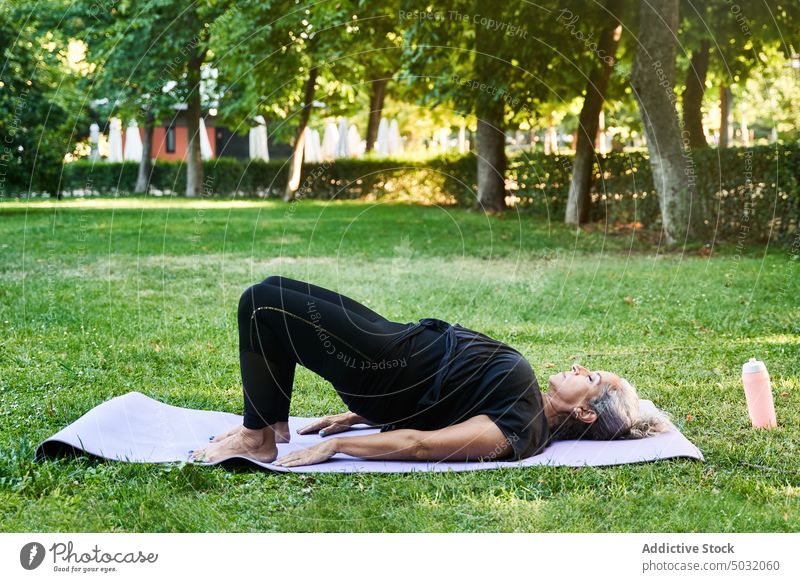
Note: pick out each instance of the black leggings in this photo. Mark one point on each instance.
(284, 322)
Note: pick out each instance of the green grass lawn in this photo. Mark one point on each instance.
(104, 297)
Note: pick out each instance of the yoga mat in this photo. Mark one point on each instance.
(139, 429)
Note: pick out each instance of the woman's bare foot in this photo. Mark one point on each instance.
(221, 437)
(255, 444)
(281, 430)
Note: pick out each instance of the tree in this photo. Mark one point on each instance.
(770, 95)
(725, 115)
(653, 79)
(296, 164)
(273, 57)
(723, 41)
(131, 57)
(490, 111)
(191, 29)
(481, 58)
(693, 95)
(37, 90)
(379, 48)
(579, 199)
(149, 56)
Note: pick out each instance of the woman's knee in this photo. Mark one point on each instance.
(246, 303)
(256, 296)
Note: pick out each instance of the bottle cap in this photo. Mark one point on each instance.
(753, 366)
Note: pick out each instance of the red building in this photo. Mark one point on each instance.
(171, 142)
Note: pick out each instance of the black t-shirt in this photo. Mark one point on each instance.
(481, 375)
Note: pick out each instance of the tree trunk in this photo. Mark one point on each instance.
(296, 163)
(194, 161)
(653, 80)
(375, 110)
(491, 150)
(725, 121)
(146, 164)
(490, 136)
(693, 96)
(579, 199)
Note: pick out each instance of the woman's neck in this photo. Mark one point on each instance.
(549, 411)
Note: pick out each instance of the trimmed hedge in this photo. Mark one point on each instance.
(345, 179)
(221, 178)
(741, 192)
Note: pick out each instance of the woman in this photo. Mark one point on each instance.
(438, 391)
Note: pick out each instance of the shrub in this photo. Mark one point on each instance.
(741, 192)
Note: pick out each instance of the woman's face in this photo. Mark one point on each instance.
(575, 388)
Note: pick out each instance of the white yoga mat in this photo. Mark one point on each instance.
(139, 429)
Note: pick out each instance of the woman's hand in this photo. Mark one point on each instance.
(333, 424)
(310, 456)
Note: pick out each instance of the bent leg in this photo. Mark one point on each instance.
(267, 370)
(280, 327)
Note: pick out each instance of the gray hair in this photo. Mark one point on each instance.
(618, 417)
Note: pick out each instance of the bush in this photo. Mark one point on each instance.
(428, 181)
(747, 193)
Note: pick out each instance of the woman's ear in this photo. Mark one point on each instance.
(587, 415)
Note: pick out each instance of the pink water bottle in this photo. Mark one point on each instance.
(758, 392)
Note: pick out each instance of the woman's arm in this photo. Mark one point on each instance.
(472, 439)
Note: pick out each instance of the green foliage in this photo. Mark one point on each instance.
(469, 54)
(37, 93)
(770, 96)
(750, 192)
(136, 50)
(264, 52)
(738, 33)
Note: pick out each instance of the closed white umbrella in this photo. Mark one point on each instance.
(115, 140)
(342, 148)
(133, 143)
(395, 141)
(309, 153)
(205, 144)
(94, 141)
(444, 138)
(316, 147)
(259, 146)
(330, 141)
(382, 143)
(354, 143)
